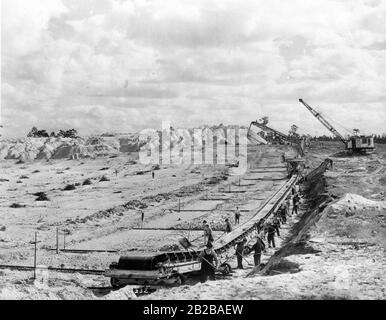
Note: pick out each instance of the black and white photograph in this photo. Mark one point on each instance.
(193, 150)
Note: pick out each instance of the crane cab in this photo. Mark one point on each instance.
(360, 144)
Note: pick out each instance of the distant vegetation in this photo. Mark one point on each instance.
(35, 133)
(104, 178)
(380, 138)
(377, 138)
(69, 187)
(87, 182)
(17, 205)
(41, 196)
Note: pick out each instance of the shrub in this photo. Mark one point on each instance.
(41, 196)
(17, 205)
(38, 194)
(104, 178)
(69, 187)
(72, 133)
(87, 182)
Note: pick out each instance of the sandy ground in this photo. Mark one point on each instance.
(348, 241)
(106, 214)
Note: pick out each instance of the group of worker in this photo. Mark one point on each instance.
(208, 233)
(209, 260)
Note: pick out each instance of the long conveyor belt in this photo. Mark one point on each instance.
(154, 268)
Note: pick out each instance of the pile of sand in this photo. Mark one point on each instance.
(125, 293)
(57, 148)
(353, 203)
(178, 140)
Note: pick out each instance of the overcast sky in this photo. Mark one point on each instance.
(115, 65)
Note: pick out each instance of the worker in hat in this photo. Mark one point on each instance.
(237, 215)
(282, 214)
(209, 263)
(208, 233)
(228, 227)
(271, 230)
(239, 252)
(295, 204)
(258, 247)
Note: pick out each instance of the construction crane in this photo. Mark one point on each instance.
(354, 143)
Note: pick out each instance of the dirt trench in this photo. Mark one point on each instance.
(316, 200)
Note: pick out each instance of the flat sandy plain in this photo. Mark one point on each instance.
(348, 262)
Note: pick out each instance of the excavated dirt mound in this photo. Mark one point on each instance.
(107, 145)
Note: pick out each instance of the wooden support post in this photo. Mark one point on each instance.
(36, 241)
(179, 205)
(64, 240)
(57, 240)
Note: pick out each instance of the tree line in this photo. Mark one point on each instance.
(35, 133)
(377, 138)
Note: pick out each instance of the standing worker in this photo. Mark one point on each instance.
(237, 215)
(288, 205)
(271, 229)
(207, 257)
(152, 174)
(295, 204)
(142, 218)
(208, 233)
(228, 227)
(283, 214)
(276, 225)
(239, 252)
(258, 247)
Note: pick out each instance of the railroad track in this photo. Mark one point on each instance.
(63, 270)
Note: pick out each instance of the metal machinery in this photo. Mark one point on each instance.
(354, 143)
(171, 268)
(273, 135)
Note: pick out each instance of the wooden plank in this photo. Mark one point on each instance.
(82, 250)
(64, 270)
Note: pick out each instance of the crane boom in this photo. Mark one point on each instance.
(318, 116)
(268, 129)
